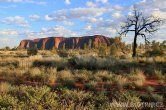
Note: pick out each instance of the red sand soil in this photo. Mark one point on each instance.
(79, 85)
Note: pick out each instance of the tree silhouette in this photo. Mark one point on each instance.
(141, 26)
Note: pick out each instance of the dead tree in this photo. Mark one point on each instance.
(141, 26)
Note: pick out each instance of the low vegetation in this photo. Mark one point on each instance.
(80, 79)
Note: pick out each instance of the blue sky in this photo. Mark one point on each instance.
(30, 19)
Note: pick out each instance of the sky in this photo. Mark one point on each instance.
(30, 19)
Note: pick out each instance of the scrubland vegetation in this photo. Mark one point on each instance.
(86, 79)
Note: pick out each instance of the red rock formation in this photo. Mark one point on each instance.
(58, 42)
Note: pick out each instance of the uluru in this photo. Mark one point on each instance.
(69, 43)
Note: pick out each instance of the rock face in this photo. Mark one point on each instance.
(68, 43)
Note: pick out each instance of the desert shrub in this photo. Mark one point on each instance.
(70, 84)
(68, 53)
(8, 102)
(9, 62)
(120, 81)
(60, 65)
(82, 75)
(100, 99)
(162, 89)
(154, 53)
(91, 86)
(51, 75)
(152, 98)
(32, 51)
(18, 73)
(103, 75)
(63, 53)
(103, 50)
(150, 89)
(37, 74)
(159, 59)
(93, 63)
(74, 106)
(127, 97)
(4, 87)
(35, 97)
(76, 96)
(157, 74)
(137, 77)
(113, 50)
(65, 75)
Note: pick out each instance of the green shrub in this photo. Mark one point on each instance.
(157, 74)
(152, 98)
(93, 63)
(35, 97)
(76, 96)
(150, 89)
(127, 97)
(91, 86)
(8, 102)
(70, 84)
(155, 53)
(60, 65)
(32, 51)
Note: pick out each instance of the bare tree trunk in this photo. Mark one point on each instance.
(134, 46)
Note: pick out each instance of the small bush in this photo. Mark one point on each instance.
(4, 87)
(157, 74)
(152, 98)
(32, 51)
(65, 75)
(70, 84)
(120, 81)
(76, 96)
(91, 86)
(137, 77)
(155, 53)
(52, 75)
(60, 65)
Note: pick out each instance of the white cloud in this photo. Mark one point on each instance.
(90, 4)
(16, 20)
(67, 23)
(25, 1)
(102, 1)
(67, 2)
(34, 17)
(7, 32)
(48, 32)
(76, 14)
(116, 15)
(47, 18)
(118, 8)
(88, 27)
(159, 13)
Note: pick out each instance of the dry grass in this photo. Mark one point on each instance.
(65, 75)
(52, 75)
(35, 72)
(137, 77)
(4, 87)
(120, 81)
